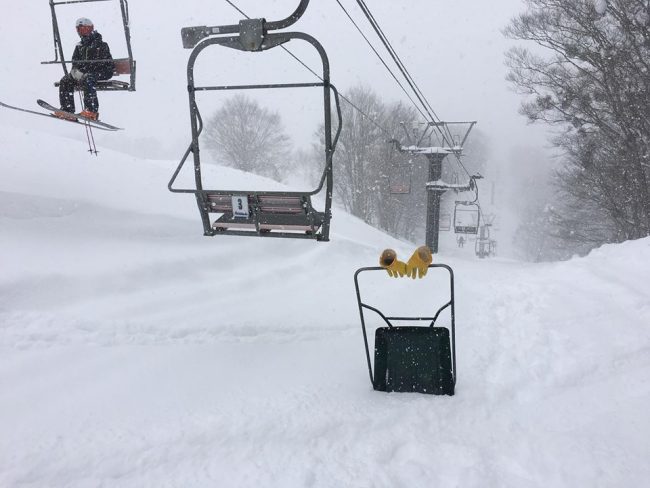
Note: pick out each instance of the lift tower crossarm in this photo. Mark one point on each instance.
(449, 147)
(193, 35)
(440, 185)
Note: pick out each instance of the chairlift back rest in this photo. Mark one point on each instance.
(122, 66)
(265, 203)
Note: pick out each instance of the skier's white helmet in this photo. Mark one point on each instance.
(83, 22)
(84, 27)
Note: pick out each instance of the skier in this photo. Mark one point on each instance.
(91, 62)
(461, 241)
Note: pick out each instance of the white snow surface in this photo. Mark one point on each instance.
(134, 352)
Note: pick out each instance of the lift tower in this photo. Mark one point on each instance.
(435, 154)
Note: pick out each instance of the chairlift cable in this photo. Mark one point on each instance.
(408, 76)
(382, 60)
(363, 114)
(237, 9)
(409, 79)
(434, 117)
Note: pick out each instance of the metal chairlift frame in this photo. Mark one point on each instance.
(123, 65)
(253, 35)
(377, 382)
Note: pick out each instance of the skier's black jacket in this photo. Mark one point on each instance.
(93, 48)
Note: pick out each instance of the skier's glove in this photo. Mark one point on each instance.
(419, 262)
(77, 74)
(394, 267)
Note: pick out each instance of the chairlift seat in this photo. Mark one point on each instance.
(292, 213)
(466, 229)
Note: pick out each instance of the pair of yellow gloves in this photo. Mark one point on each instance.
(416, 266)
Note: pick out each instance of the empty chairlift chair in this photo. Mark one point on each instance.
(287, 214)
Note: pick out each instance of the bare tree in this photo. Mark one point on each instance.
(357, 168)
(244, 135)
(400, 214)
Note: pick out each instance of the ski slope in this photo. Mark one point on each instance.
(135, 352)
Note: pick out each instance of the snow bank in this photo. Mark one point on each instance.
(136, 352)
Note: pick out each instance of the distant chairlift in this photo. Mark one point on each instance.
(467, 217)
(259, 213)
(400, 179)
(123, 66)
(467, 214)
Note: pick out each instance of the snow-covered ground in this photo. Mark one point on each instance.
(135, 352)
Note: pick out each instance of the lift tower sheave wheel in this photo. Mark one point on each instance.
(287, 214)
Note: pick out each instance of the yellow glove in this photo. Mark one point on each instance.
(419, 262)
(393, 266)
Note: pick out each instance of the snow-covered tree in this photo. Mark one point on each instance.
(592, 81)
(247, 136)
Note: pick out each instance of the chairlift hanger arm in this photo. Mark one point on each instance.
(193, 35)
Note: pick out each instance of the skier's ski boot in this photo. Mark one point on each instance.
(88, 114)
(62, 114)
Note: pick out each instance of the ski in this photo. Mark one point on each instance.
(52, 116)
(98, 124)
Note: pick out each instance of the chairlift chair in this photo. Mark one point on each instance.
(412, 358)
(467, 217)
(284, 214)
(123, 66)
(400, 183)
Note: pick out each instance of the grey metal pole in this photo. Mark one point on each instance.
(433, 201)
